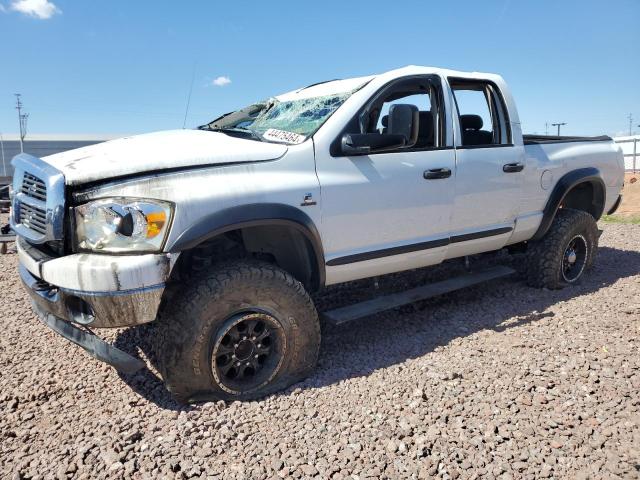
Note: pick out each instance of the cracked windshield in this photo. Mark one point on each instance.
(289, 121)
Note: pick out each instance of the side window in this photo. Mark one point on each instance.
(421, 100)
(416, 91)
(481, 114)
(371, 125)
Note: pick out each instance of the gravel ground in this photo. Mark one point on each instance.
(497, 381)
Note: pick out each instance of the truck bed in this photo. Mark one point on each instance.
(537, 139)
(562, 155)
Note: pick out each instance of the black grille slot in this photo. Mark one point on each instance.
(33, 218)
(33, 187)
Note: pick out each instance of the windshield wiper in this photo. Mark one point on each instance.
(253, 133)
(246, 132)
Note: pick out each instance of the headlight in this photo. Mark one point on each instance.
(122, 224)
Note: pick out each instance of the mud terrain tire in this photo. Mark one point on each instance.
(566, 251)
(241, 332)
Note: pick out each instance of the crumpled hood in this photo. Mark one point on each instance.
(158, 151)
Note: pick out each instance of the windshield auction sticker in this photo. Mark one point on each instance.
(283, 136)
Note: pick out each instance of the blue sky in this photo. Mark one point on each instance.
(126, 66)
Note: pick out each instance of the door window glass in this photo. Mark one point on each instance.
(416, 92)
(481, 114)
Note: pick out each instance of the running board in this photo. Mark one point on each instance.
(387, 302)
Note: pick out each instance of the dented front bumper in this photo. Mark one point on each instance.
(95, 290)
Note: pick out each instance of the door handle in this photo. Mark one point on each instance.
(512, 167)
(435, 173)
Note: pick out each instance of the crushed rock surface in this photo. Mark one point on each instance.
(497, 381)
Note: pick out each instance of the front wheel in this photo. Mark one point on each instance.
(243, 331)
(566, 251)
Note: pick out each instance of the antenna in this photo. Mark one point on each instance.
(559, 125)
(22, 121)
(186, 110)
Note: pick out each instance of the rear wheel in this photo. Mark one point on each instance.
(243, 331)
(567, 250)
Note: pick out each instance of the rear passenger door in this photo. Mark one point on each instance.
(488, 170)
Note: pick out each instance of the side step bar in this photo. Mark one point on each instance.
(346, 314)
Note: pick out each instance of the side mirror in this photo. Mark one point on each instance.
(402, 132)
(355, 144)
(404, 120)
(365, 143)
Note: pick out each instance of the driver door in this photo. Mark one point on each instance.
(388, 211)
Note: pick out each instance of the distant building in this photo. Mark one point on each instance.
(43, 145)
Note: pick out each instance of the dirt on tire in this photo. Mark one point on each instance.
(187, 325)
(544, 257)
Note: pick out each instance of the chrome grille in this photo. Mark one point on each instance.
(38, 203)
(33, 187)
(33, 218)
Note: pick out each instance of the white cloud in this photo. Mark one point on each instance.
(221, 81)
(41, 9)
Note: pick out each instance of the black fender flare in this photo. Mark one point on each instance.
(252, 215)
(567, 182)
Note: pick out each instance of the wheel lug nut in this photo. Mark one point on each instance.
(255, 356)
(235, 345)
(259, 345)
(247, 364)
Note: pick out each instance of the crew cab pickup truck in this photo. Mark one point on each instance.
(219, 234)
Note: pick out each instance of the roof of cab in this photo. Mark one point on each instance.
(336, 87)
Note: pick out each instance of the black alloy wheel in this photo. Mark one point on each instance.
(248, 351)
(574, 259)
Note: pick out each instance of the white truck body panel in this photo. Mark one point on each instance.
(159, 151)
(374, 203)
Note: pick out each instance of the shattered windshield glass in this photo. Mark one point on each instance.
(288, 121)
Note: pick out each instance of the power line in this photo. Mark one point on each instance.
(559, 125)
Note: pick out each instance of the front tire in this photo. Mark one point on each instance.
(566, 251)
(243, 331)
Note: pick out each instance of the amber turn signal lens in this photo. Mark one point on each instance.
(155, 222)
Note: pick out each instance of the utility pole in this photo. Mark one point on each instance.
(559, 125)
(22, 121)
(4, 165)
(546, 128)
(630, 117)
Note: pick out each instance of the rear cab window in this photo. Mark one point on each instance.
(481, 113)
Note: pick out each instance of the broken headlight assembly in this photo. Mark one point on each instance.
(122, 225)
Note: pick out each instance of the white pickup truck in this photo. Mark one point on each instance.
(219, 234)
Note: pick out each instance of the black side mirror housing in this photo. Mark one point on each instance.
(354, 144)
(402, 132)
(404, 120)
(366, 143)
